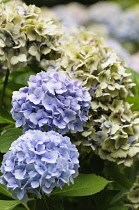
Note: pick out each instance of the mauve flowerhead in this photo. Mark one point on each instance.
(38, 162)
(52, 100)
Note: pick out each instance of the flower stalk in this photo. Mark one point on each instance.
(4, 87)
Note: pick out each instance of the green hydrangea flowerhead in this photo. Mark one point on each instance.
(112, 130)
(133, 195)
(24, 36)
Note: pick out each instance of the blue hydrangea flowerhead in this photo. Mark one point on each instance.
(38, 162)
(51, 99)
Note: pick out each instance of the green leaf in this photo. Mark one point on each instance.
(51, 203)
(118, 196)
(55, 203)
(84, 185)
(118, 177)
(4, 1)
(118, 208)
(135, 101)
(135, 79)
(5, 116)
(20, 207)
(106, 195)
(8, 137)
(7, 121)
(20, 76)
(8, 205)
(40, 203)
(4, 191)
(14, 86)
(3, 120)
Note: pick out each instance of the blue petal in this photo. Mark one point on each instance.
(35, 184)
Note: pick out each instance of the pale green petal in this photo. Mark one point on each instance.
(14, 60)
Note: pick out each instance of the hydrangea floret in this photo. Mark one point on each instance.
(112, 129)
(24, 36)
(133, 195)
(51, 99)
(38, 162)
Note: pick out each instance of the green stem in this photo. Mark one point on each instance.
(4, 86)
(31, 199)
(47, 207)
(26, 206)
(35, 204)
(6, 127)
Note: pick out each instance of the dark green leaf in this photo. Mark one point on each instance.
(5, 116)
(118, 177)
(4, 120)
(84, 185)
(14, 86)
(8, 205)
(39, 203)
(4, 191)
(55, 203)
(8, 137)
(21, 75)
(106, 196)
(20, 207)
(118, 208)
(50, 203)
(118, 196)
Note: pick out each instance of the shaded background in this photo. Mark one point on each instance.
(50, 3)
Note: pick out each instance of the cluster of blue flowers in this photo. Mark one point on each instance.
(39, 161)
(51, 99)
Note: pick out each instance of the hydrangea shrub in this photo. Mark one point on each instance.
(81, 93)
